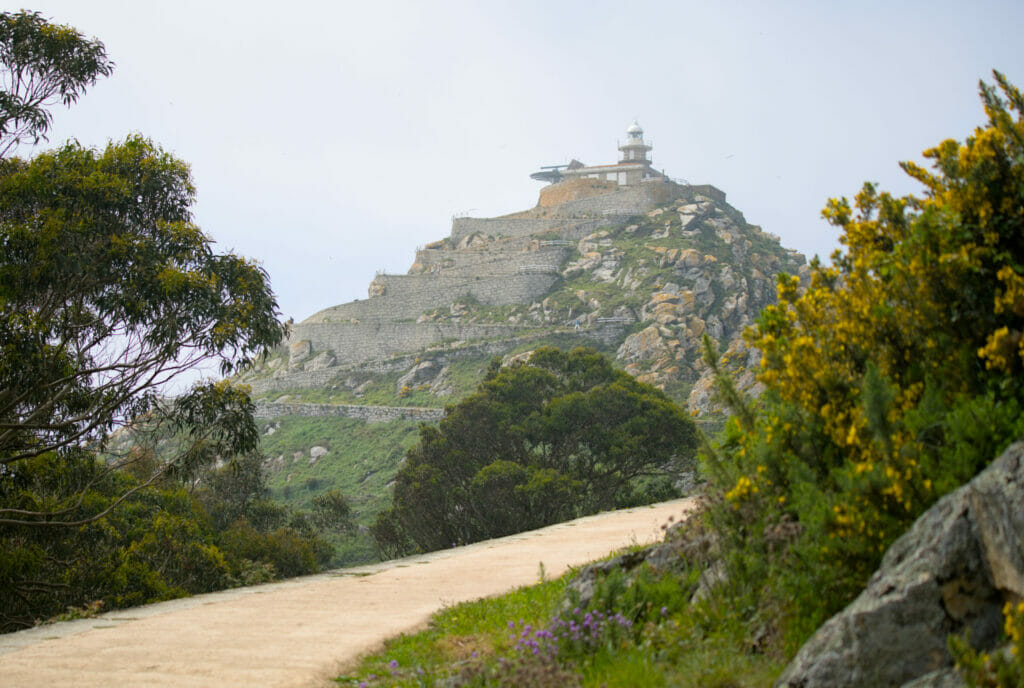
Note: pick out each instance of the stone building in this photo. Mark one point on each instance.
(632, 168)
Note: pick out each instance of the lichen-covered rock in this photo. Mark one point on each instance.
(644, 345)
(298, 352)
(322, 360)
(951, 572)
(376, 288)
(701, 400)
(442, 385)
(661, 270)
(421, 373)
(944, 678)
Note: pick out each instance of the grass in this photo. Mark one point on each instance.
(646, 633)
(362, 459)
(455, 637)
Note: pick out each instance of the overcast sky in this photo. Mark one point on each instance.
(329, 139)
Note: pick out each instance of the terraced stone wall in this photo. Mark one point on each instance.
(432, 291)
(406, 297)
(365, 341)
(629, 200)
(487, 262)
(567, 226)
(371, 414)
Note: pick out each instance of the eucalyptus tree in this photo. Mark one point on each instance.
(43, 64)
(109, 292)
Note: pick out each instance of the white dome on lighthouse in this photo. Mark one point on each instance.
(634, 130)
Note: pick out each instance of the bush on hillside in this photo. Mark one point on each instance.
(165, 541)
(540, 442)
(894, 378)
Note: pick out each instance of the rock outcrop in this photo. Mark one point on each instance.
(686, 544)
(641, 272)
(951, 572)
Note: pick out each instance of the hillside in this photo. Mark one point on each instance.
(639, 273)
(642, 287)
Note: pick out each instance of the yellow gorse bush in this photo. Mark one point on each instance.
(866, 364)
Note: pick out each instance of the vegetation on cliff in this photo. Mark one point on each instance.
(640, 289)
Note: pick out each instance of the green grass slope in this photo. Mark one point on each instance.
(361, 460)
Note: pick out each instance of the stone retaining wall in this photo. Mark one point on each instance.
(406, 297)
(358, 342)
(632, 200)
(486, 262)
(371, 414)
(463, 227)
(610, 334)
(426, 292)
(295, 379)
(568, 226)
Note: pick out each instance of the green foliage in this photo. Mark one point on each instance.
(562, 436)
(1003, 668)
(331, 512)
(643, 595)
(108, 290)
(640, 629)
(455, 635)
(362, 459)
(82, 357)
(43, 64)
(163, 541)
(891, 380)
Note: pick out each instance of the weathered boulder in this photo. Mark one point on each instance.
(421, 373)
(951, 572)
(442, 385)
(689, 258)
(642, 346)
(702, 397)
(298, 352)
(322, 360)
(316, 453)
(377, 287)
(686, 544)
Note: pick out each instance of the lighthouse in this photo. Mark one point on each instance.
(632, 168)
(634, 150)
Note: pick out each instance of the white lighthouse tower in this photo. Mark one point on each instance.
(634, 150)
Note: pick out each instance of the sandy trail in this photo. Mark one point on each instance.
(301, 632)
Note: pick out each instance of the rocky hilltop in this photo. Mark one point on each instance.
(639, 271)
(616, 257)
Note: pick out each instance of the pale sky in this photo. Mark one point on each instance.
(329, 139)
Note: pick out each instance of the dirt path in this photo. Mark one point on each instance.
(302, 631)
